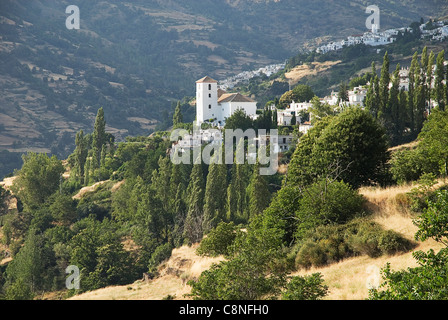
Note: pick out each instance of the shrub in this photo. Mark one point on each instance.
(332, 243)
(324, 203)
(162, 253)
(305, 288)
(218, 241)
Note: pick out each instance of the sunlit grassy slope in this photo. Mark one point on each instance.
(347, 280)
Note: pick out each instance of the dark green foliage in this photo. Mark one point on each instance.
(160, 254)
(326, 202)
(38, 178)
(256, 271)
(332, 243)
(351, 147)
(239, 120)
(305, 288)
(428, 280)
(219, 240)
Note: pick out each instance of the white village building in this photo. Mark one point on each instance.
(214, 105)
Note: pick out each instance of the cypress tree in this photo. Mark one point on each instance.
(177, 117)
(195, 203)
(215, 195)
(259, 195)
(237, 197)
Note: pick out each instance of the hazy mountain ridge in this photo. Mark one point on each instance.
(137, 58)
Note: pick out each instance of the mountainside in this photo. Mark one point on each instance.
(136, 59)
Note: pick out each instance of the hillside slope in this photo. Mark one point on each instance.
(347, 280)
(183, 265)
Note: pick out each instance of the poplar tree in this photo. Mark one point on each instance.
(384, 88)
(413, 70)
(439, 90)
(80, 152)
(99, 138)
(394, 105)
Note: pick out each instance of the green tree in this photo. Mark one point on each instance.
(195, 204)
(236, 191)
(439, 87)
(384, 111)
(177, 117)
(39, 177)
(412, 85)
(428, 280)
(215, 194)
(98, 138)
(352, 146)
(63, 209)
(343, 92)
(26, 272)
(256, 270)
(80, 152)
(305, 288)
(258, 191)
(434, 139)
(239, 120)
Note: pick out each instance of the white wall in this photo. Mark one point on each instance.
(206, 97)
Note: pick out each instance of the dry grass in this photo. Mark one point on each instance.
(183, 265)
(349, 279)
(296, 74)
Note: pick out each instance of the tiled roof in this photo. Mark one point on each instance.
(206, 80)
(234, 97)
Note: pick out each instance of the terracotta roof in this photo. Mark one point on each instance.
(234, 97)
(206, 80)
(220, 93)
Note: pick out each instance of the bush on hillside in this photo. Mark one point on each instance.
(332, 243)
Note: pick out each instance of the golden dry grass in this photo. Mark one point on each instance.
(349, 279)
(296, 74)
(183, 265)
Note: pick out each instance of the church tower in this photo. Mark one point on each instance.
(207, 100)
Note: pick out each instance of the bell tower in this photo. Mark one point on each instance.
(207, 100)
